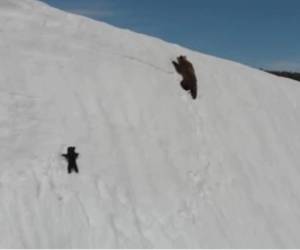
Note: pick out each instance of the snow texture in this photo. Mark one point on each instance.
(157, 169)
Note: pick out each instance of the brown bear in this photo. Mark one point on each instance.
(71, 157)
(186, 69)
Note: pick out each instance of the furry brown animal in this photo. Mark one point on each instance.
(186, 69)
(71, 157)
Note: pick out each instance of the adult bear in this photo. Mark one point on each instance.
(186, 70)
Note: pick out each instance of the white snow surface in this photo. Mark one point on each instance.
(157, 169)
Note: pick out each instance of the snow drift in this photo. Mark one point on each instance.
(157, 169)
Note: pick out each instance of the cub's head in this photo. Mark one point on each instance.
(71, 149)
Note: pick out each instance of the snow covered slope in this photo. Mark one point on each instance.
(157, 169)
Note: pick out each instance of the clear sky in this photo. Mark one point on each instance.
(260, 33)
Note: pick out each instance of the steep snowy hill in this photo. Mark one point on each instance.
(157, 169)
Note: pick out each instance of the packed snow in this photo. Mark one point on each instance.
(156, 168)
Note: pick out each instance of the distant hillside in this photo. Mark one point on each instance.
(291, 75)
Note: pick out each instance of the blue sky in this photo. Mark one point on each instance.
(260, 33)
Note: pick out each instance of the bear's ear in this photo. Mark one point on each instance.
(181, 58)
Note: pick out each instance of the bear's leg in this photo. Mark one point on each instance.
(185, 85)
(176, 65)
(194, 90)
